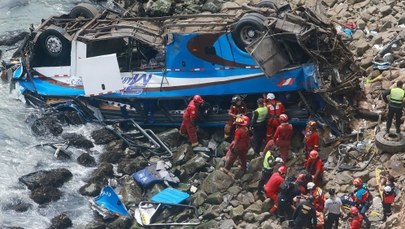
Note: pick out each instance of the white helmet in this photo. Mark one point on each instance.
(387, 189)
(310, 185)
(271, 96)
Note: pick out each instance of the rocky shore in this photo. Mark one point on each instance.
(374, 30)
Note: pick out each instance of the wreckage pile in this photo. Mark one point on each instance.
(373, 31)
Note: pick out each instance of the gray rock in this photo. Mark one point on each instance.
(262, 217)
(86, 160)
(193, 165)
(234, 203)
(385, 10)
(227, 224)
(361, 47)
(120, 223)
(248, 217)
(130, 191)
(103, 171)
(90, 189)
(214, 198)
(330, 3)
(47, 125)
(237, 213)
(54, 177)
(199, 198)
(12, 37)
(358, 34)
(222, 148)
(364, 175)
(183, 153)
(78, 140)
(171, 137)
(45, 194)
(217, 181)
(234, 190)
(61, 221)
(255, 207)
(343, 178)
(267, 203)
(103, 136)
(130, 166)
(246, 199)
(159, 8)
(212, 212)
(208, 225)
(212, 6)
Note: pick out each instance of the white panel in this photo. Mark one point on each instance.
(100, 74)
(79, 50)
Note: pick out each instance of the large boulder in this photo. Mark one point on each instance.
(170, 137)
(130, 191)
(217, 181)
(86, 160)
(47, 125)
(193, 165)
(90, 189)
(61, 221)
(54, 177)
(44, 195)
(103, 171)
(129, 166)
(182, 154)
(12, 37)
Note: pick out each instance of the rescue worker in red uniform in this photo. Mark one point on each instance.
(388, 198)
(238, 108)
(319, 196)
(275, 109)
(240, 145)
(311, 138)
(272, 187)
(188, 126)
(302, 181)
(283, 135)
(314, 166)
(356, 219)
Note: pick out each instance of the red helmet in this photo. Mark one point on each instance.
(198, 99)
(282, 169)
(313, 154)
(354, 210)
(283, 118)
(312, 123)
(357, 182)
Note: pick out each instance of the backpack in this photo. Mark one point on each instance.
(284, 187)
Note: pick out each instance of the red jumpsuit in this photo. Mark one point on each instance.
(235, 110)
(319, 199)
(282, 139)
(315, 168)
(357, 222)
(238, 148)
(311, 140)
(188, 125)
(275, 109)
(272, 187)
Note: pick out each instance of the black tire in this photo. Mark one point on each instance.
(248, 29)
(267, 4)
(84, 10)
(54, 44)
(390, 143)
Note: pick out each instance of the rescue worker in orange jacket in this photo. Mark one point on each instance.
(190, 115)
(283, 136)
(275, 109)
(238, 108)
(311, 138)
(363, 199)
(240, 145)
(388, 198)
(314, 166)
(319, 196)
(356, 219)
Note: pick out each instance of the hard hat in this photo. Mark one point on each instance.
(283, 118)
(271, 96)
(387, 189)
(236, 99)
(282, 169)
(241, 121)
(354, 210)
(310, 185)
(198, 99)
(312, 123)
(313, 154)
(357, 182)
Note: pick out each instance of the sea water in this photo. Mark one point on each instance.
(18, 154)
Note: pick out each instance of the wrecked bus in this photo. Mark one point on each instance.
(106, 65)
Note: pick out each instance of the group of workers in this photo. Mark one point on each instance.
(300, 200)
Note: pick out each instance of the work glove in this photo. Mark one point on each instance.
(279, 160)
